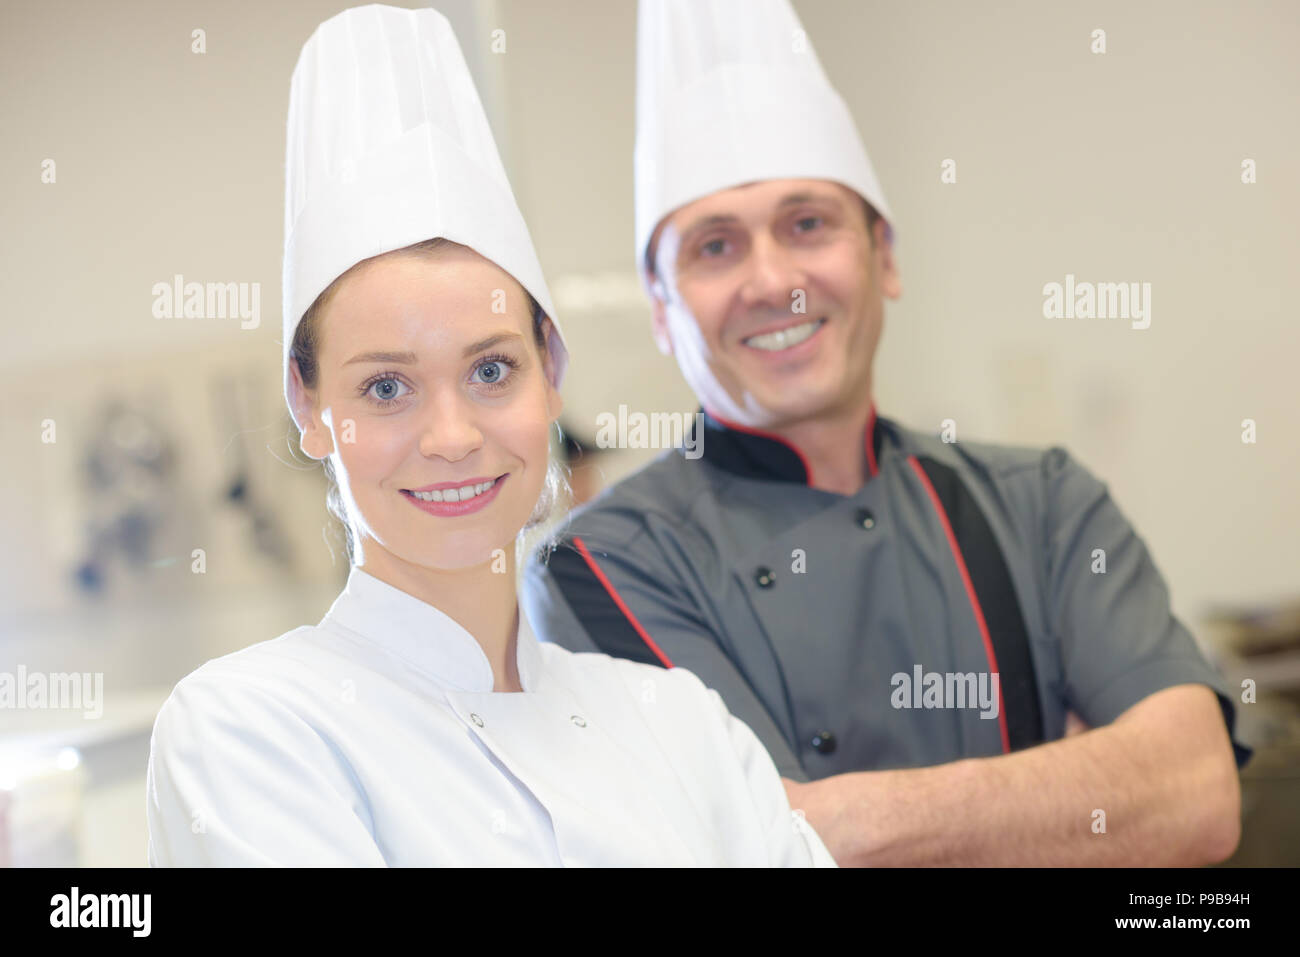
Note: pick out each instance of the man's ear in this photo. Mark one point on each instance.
(891, 282)
(658, 315)
(316, 440)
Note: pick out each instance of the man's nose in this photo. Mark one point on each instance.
(773, 274)
(451, 428)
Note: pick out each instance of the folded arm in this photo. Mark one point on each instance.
(1162, 774)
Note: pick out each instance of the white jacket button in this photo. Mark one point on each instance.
(579, 720)
(476, 719)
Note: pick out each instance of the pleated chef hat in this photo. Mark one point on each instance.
(388, 145)
(731, 92)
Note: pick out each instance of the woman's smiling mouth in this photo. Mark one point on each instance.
(458, 499)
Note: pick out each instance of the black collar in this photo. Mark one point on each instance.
(751, 453)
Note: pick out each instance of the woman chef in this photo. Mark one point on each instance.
(421, 722)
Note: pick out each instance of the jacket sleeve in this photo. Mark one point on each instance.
(1109, 606)
(235, 778)
(791, 840)
(619, 595)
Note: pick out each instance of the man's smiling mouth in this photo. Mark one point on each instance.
(785, 338)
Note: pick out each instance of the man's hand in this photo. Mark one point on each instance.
(828, 808)
(1074, 724)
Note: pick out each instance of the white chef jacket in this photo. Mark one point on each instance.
(374, 738)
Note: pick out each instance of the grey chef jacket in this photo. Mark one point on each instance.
(802, 607)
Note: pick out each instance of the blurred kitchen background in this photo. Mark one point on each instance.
(139, 449)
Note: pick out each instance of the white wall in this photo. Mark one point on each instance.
(1119, 167)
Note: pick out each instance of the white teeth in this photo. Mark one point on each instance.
(454, 494)
(776, 341)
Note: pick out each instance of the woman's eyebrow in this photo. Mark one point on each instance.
(489, 342)
(410, 359)
(406, 358)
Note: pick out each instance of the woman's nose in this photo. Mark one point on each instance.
(451, 430)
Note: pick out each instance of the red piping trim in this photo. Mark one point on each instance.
(618, 600)
(970, 593)
(871, 444)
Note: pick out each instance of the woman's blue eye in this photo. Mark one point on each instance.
(385, 390)
(713, 247)
(814, 220)
(492, 372)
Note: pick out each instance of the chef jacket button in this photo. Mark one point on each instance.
(764, 577)
(866, 519)
(476, 719)
(824, 741)
(579, 720)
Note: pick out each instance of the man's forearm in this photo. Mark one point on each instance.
(1131, 793)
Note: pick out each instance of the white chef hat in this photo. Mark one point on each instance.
(731, 92)
(388, 145)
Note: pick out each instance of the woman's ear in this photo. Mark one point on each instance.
(316, 440)
(554, 401)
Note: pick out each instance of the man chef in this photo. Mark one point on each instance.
(906, 623)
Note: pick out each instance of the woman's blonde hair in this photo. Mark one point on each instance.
(538, 531)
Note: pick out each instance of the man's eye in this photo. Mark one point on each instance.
(714, 247)
(808, 223)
